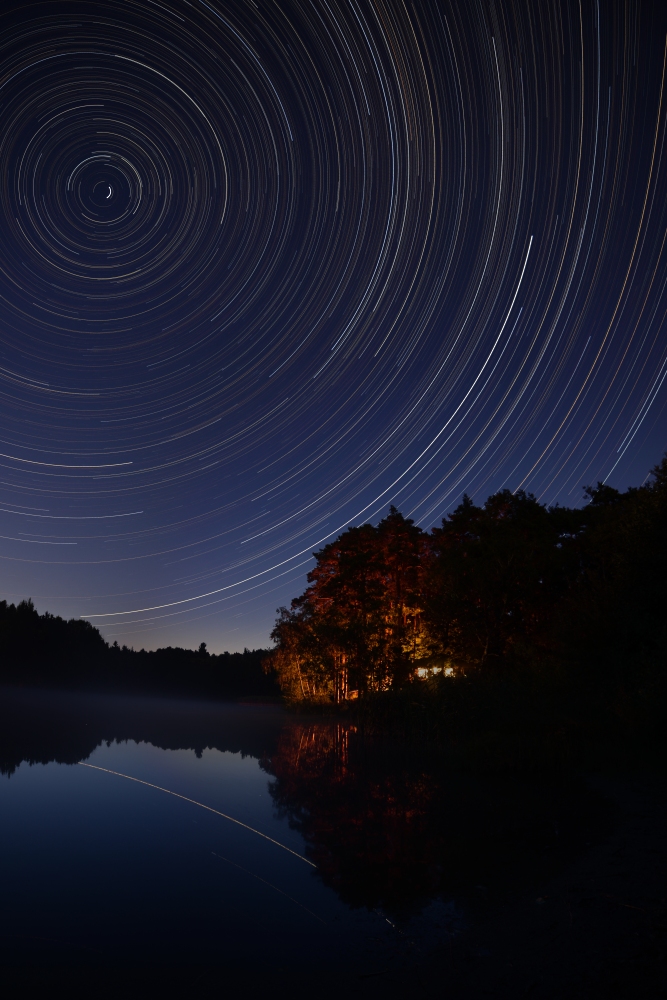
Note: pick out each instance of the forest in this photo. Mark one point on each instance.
(508, 600)
(46, 650)
(508, 614)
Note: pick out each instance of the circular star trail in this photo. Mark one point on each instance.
(266, 268)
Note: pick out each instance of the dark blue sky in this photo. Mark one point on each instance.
(266, 268)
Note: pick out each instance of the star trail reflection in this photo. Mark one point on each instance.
(267, 268)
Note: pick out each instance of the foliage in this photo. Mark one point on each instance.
(494, 574)
(357, 626)
(45, 646)
(555, 613)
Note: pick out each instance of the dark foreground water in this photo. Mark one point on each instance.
(286, 843)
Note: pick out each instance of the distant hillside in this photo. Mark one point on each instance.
(47, 650)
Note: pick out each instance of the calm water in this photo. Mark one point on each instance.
(330, 848)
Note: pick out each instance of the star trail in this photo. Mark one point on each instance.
(268, 268)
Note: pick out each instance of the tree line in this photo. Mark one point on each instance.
(506, 589)
(558, 598)
(48, 650)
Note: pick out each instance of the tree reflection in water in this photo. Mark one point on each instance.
(389, 826)
(39, 726)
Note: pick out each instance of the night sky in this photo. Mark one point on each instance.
(267, 268)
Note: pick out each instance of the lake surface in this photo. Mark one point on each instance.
(140, 832)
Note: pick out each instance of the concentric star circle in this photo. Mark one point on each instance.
(266, 268)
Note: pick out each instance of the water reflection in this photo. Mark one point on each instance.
(100, 870)
(64, 727)
(389, 826)
(371, 821)
(389, 829)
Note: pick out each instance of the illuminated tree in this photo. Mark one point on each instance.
(354, 629)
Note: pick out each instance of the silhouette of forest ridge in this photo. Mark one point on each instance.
(548, 622)
(45, 650)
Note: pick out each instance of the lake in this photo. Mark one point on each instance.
(147, 832)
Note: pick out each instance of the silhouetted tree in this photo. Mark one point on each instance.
(494, 575)
(495, 590)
